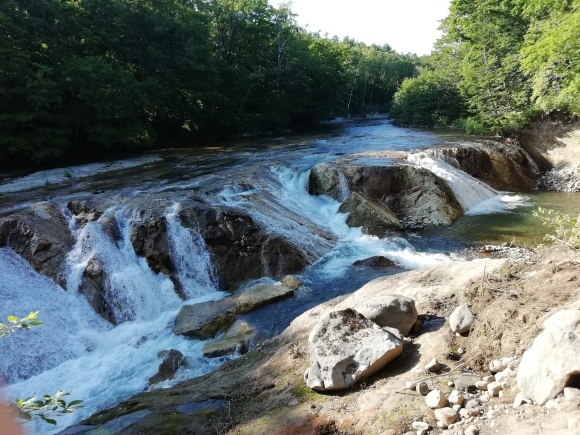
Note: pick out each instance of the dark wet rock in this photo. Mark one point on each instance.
(172, 361)
(206, 319)
(502, 166)
(373, 217)
(86, 211)
(41, 236)
(237, 339)
(240, 249)
(93, 287)
(376, 261)
(386, 197)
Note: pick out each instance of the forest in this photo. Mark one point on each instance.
(84, 79)
(499, 64)
(91, 78)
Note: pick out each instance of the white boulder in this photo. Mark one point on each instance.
(436, 399)
(552, 360)
(393, 311)
(345, 347)
(461, 319)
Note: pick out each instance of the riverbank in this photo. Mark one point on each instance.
(264, 391)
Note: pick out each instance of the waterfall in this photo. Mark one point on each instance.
(469, 191)
(343, 184)
(66, 317)
(192, 261)
(132, 289)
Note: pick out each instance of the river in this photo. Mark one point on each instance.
(77, 350)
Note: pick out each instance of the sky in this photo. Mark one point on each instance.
(409, 26)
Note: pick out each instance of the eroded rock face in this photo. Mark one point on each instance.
(393, 311)
(241, 250)
(345, 347)
(386, 197)
(502, 166)
(552, 362)
(206, 319)
(93, 287)
(41, 236)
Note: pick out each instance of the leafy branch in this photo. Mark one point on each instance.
(565, 229)
(15, 323)
(33, 407)
(47, 407)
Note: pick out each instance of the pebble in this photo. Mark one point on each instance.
(456, 408)
(433, 366)
(482, 385)
(446, 416)
(435, 399)
(422, 388)
(420, 426)
(494, 388)
(472, 430)
(496, 366)
(456, 398)
(472, 403)
(520, 400)
(489, 378)
(571, 393)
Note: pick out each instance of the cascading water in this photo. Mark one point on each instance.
(132, 289)
(77, 350)
(474, 196)
(195, 270)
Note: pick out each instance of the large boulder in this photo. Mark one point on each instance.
(345, 347)
(386, 197)
(41, 236)
(393, 311)
(206, 319)
(94, 288)
(502, 166)
(552, 362)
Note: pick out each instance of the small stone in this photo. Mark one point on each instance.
(456, 398)
(420, 425)
(494, 413)
(433, 366)
(466, 382)
(484, 398)
(496, 366)
(471, 404)
(440, 425)
(450, 384)
(501, 394)
(461, 319)
(514, 364)
(446, 416)
(422, 388)
(494, 388)
(456, 408)
(436, 399)
(489, 378)
(507, 360)
(504, 375)
(482, 385)
(471, 430)
(469, 413)
(291, 282)
(571, 393)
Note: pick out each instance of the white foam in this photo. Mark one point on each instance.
(60, 175)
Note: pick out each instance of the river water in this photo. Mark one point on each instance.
(76, 350)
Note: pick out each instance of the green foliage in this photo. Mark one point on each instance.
(46, 408)
(426, 101)
(15, 323)
(564, 229)
(32, 407)
(471, 125)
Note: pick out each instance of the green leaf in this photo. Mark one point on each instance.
(24, 415)
(74, 403)
(13, 319)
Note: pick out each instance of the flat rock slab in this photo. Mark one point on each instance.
(237, 339)
(206, 319)
(345, 347)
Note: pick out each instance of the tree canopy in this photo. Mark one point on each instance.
(88, 78)
(509, 59)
